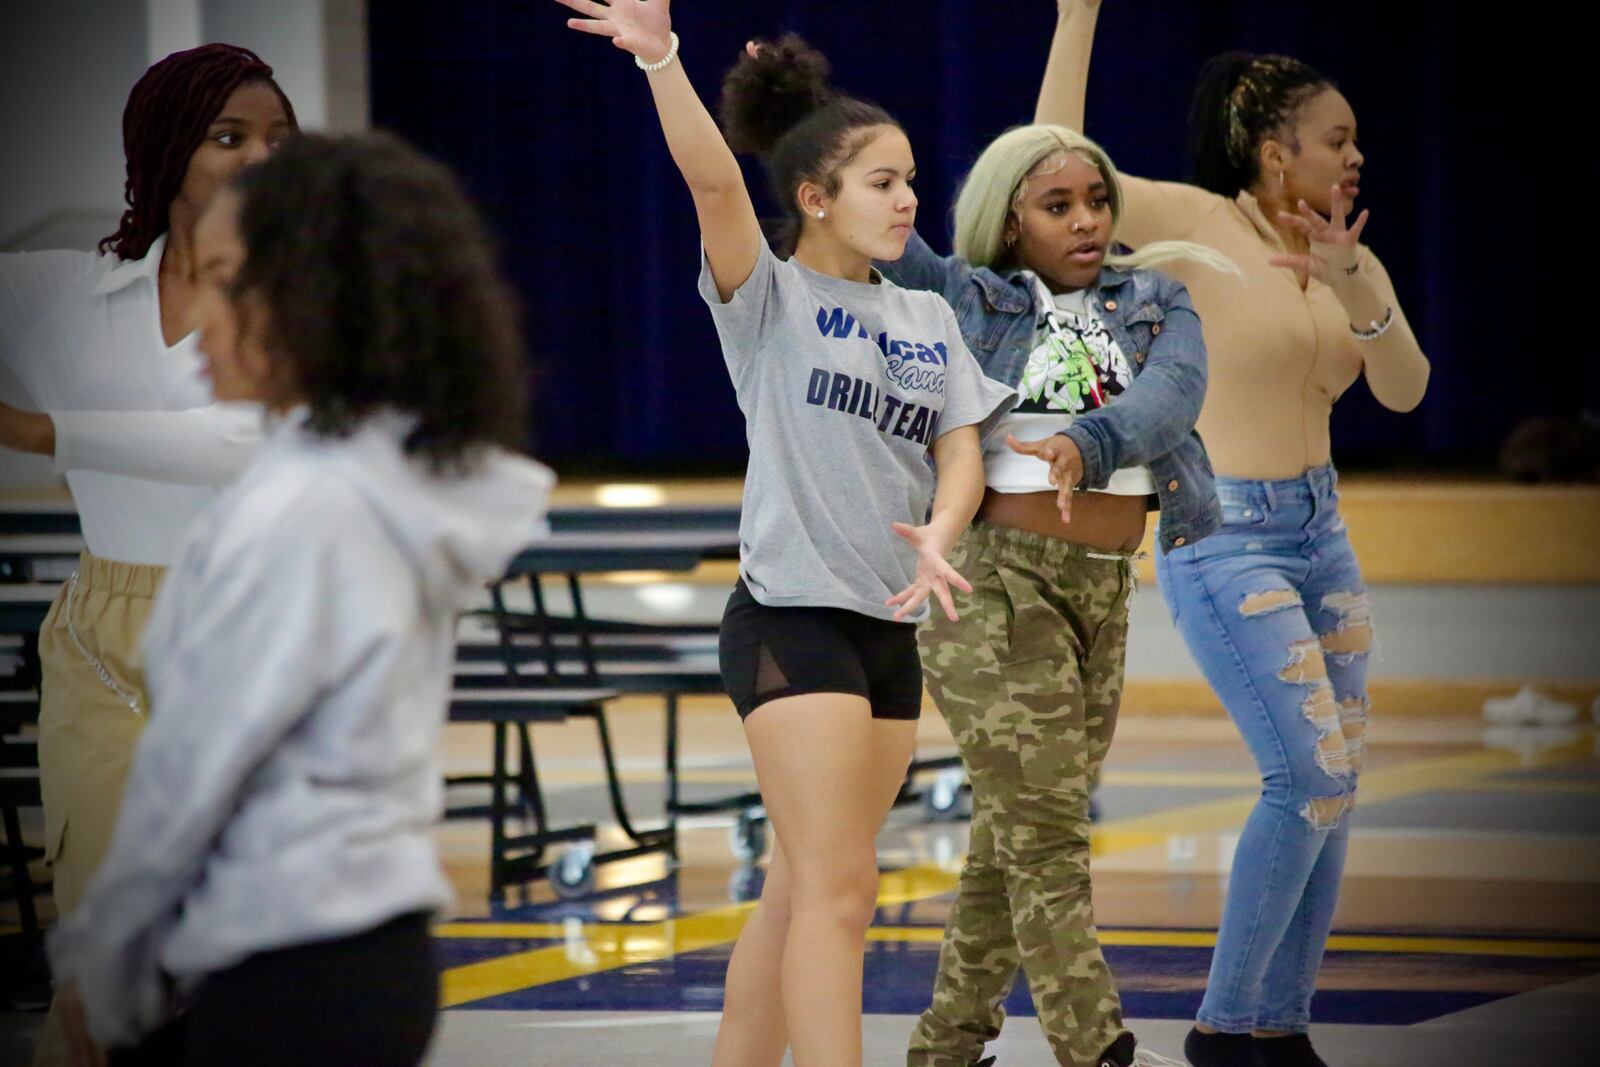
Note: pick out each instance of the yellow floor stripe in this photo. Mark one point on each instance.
(647, 936)
(505, 930)
(606, 948)
(609, 947)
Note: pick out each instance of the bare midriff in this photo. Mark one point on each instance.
(1105, 521)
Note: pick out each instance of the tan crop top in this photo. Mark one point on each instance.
(1279, 356)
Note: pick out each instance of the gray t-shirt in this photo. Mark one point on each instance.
(844, 388)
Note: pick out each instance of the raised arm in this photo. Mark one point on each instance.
(1151, 210)
(1066, 73)
(729, 228)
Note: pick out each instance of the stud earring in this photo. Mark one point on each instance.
(822, 214)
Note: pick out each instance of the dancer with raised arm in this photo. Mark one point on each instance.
(1273, 605)
(848, 385)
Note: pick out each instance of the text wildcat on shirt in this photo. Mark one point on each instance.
(913, 365)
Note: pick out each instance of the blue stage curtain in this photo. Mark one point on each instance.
(555, 135)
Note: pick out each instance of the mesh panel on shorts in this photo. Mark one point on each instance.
(769, 676)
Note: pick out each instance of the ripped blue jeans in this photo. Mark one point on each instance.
(1273, 609)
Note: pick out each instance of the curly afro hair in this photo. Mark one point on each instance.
(382, 294)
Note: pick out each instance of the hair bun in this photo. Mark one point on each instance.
(769, 94)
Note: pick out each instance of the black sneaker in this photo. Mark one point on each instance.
(1119, 1053)
(1220, 1050)
(1293, 1050)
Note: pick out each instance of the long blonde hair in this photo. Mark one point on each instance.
(993, 190)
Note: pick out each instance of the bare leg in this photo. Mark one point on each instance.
(829, 773)
(753, 1031)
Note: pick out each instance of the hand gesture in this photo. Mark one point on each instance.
(1333, 256)
(934, 575)
(1066, 465)
(26, 431)
(643, 27)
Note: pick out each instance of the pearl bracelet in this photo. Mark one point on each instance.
(1378, 329)
(651, 68)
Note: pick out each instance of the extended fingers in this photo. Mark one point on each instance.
(1295, 222)
(1361, 224)
(908, 607)
(1031, 448)
(598, 27)
(953, 576)
(1318, 226)
(1336, 202)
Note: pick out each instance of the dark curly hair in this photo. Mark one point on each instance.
(382, 293)
(164, 122)
(779, 105)
(1241, 100)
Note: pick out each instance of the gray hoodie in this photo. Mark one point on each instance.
(299, 662)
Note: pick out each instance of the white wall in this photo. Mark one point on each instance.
(66, 67)
(65, 70)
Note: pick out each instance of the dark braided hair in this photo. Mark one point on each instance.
(164, 123)
(1241, 100)
(780, 106)
(382, 294)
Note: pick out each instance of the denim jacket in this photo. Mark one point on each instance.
(1151, 423)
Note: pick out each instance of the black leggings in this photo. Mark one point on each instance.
(369, 1000)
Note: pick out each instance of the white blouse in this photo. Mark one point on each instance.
(141, 442)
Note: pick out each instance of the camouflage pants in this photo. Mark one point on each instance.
(1029, 681)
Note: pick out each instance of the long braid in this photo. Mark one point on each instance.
(165, 120)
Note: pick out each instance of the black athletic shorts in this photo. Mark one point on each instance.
(770, 653)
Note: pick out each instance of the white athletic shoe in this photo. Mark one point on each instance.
(1146, 1058)
(1529, 743)
(1529, 707)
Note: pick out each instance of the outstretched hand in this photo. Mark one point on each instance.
(1333, 255)
(643, 27)
(934, 575)
(1066, 465)
(26, 431)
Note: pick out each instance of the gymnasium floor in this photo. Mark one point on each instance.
(1467, 919)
